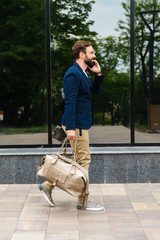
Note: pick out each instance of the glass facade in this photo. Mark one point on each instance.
(30, 97)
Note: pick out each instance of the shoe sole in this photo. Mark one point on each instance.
(91, 209)
(94, 209)
(45, 196)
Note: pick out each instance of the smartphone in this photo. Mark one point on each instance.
(91, 64)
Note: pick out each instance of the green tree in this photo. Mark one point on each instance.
(69, 23)
(142, 38)
(22, 60)
(23, 55)
(115, 92)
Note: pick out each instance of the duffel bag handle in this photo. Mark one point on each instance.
(66, 142)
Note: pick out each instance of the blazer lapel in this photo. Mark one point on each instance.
(84, 75)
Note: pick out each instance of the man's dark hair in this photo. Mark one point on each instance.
(80, 46)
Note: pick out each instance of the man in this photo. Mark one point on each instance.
(77, 117)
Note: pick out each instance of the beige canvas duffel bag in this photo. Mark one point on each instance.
(66, 174)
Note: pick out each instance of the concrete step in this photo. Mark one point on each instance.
(109, 164)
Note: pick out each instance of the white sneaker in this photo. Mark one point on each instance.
(91, 206)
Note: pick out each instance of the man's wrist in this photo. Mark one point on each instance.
(99, 73)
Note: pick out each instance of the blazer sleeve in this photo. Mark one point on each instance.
(97, 85)
(71, 85)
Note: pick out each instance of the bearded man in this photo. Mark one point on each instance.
(78, 117)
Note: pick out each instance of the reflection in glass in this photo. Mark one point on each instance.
(147, 81)
(22, 70)
(111, 108)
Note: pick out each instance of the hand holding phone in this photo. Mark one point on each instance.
(95, 67)
(92, 64)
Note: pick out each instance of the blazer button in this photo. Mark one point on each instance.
(90, 113)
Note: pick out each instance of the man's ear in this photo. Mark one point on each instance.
(82, 55)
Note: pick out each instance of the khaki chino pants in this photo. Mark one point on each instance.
(82, 153)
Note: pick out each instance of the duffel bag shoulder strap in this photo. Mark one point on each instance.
(85, 174)
(73, 162)
(86, 193)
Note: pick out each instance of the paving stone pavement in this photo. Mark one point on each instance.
(98, 134)
(132, 212)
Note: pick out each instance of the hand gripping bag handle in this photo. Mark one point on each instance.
(65, 142)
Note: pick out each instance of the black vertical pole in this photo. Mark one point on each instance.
(132, 71)
(48, 72)
(151, 67)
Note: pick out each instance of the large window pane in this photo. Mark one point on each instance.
(147, 81)
(23, 76)
(111, 107)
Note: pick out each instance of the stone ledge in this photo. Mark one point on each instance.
(93, 150)
(108, 165)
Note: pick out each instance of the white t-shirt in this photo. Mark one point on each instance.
(85, 73)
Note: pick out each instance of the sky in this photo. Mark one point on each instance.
(106, 14)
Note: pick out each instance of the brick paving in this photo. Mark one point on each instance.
(132, 212)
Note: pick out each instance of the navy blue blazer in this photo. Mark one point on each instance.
(78, 89)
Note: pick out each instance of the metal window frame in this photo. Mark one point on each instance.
(48, 72)
(49, 90)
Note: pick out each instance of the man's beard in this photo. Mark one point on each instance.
(89, 62)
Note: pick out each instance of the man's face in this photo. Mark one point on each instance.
(89, 56)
